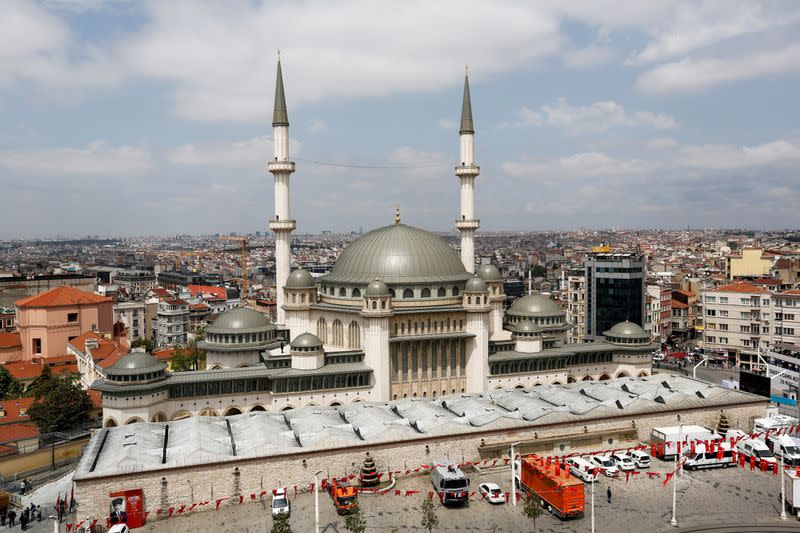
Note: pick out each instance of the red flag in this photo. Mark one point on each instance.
(94, 522)
(627, 476)
(170, 511)
(220, 500)
(180, 511)
(668, 477)
(752, 463)
(720, 454)
(69, 528)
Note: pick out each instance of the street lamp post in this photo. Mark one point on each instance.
(316, 501)
(674, 520)
(694, 370)
(513, 476)
(783, 492)
(594, 479)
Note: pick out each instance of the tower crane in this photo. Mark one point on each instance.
(245, 278)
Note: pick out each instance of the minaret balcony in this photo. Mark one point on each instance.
(472, 224)
(468, 170)
(282, 225)
(280, 166)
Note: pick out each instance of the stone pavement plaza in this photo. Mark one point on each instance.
(710, 497)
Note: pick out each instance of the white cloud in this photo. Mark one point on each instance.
(580, 165)
(446, 124)
(698, 74)
(724, 157)
(318, 126)
(596, 117)
(250, 153)
(662, 143)
(589, 57)
(97, 159)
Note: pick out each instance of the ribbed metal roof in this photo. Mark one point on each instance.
(398, 254)
(306, 340)
(300, 279)
(489, 272)
(280, 117)
(240, 320)
(627, 330)
(136, 363)
(466, 110)
(475, 284)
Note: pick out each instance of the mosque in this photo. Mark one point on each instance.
(400, 315)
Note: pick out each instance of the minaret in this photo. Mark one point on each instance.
(282, 169)
(466, 171)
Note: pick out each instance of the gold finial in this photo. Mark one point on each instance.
(397, 215)
(279, 54)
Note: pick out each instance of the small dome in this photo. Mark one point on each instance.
(377, 288)
(306, 340)
(526, 326)
(627, 330)
(240, 320)
(489, 273)
(535, 305)
(136, 362)
(300, 279)
(475, 284)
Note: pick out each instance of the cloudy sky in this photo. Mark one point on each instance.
(122, 117)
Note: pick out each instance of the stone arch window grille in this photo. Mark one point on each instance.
(354, 335)
(426, 292)
(342, 292)
(455, 291)
(442, 292)
(375, 305)
(338, 333)
(356, 293)
(408, 293)
(322, 330)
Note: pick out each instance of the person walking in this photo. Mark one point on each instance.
(3, 518)
(12, 518)
(23, 520)
(608, 493)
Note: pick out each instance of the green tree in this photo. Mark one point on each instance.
(148, 344)
(280, 524)
(429, 519)
(9, 386)
(538, 271)
(189, 357)
(355, 521)
(61, 403)
(533, 510)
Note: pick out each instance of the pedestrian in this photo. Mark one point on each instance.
(39, 513)
(3, 517)
(22, 488)
(23, 520)
(59, 512)
(12, 518)
(608, 493)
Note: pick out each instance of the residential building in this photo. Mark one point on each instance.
(172, 322)
(135, 283)
(13, 288)
(199, 314)
(576, 305)
(736, 317)
(132, 315)
(94, 353)
(49, 320)
(749, 263)
(8, 319)
(10, 347)
(614, 291)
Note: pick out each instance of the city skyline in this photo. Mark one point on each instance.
(587, 118)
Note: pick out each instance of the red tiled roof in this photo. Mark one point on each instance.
(176, 301)
(23, 370)
(198, 306)
(10, 340)
(14, 409)
(741, 286)
(679, 305)
(767, 281)
(219, 292)
(158, 291)
(684, 292)
(791, 292)
(782, 263)
(61, 296)
(113, 356)
(59, 359)
(22, 431)
(97, 398)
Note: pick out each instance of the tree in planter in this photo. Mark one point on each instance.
(533, 509)
(355, 521)
(61, 403)
(280, 524)
(147, 344)
(9, 386)
(429, 519)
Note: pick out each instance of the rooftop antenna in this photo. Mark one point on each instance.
(397, 214)
(530, 282)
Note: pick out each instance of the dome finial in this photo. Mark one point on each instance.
(397, 214)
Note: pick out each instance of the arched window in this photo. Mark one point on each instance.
(426, 293)
(294, 298)
(408, 293)
(322, 330)
(338, 333)
(342, 292)
(374, 304)
(354, 335)
(356, 293)
(477, 300)
(302, 298)
(469, 299)
(392, 294)
(442, 292)
(455, 291)
(383, 304)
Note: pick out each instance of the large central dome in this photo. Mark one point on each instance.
(398, 254)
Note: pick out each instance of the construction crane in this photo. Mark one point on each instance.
(245, 280)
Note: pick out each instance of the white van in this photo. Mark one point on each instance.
(642, 459)
(754, 448)
(702, 458)
(786, 447)
(581, 469)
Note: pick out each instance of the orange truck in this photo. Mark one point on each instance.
(559, 492)
(344, 496)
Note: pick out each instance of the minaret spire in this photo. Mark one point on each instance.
(466, 109)
(466, 172)
(279, 115)
(281, 168)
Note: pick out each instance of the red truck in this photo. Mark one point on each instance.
(559, 492)
(344, 496)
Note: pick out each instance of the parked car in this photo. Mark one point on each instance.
(623, 461)
(606, 464)
(658, 356)
(119, 528)
(493, 493)
(641, 458)
(280, 503)
(581, 469)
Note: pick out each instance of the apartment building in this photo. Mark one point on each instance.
(172, 323)
(614, 291)
(661, 311)
(576, 305)
(749, 263)
(132, 315)
(737, 322)
(135, 283)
